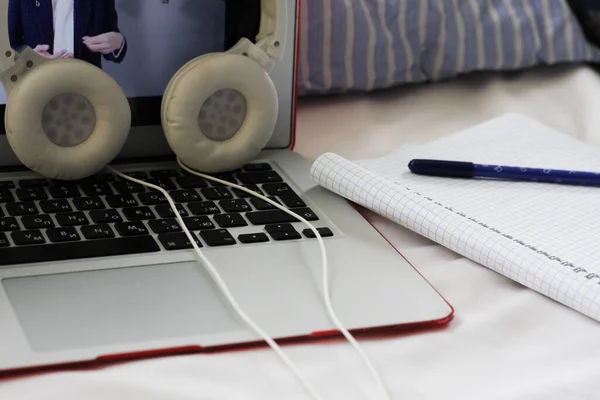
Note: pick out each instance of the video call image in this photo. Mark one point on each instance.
(140, 43)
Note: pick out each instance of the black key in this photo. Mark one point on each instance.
(55, 206)
(95, 232)
(324, 232)
(257, 167)
(227, 177)
(279, 216)
(9, 224)
(285, 235)
(31, 193)
(6, 196)
(141, 175)
(165, 211)
(62, 235)
(198, 223)
(216, 193)
(127, 229)
(217, 237)
(30, 183)
(164, 226)
(230, 220)
(177, 241)
(165, 183)
(96, 189)
(64, 191)
(7, 185)
(3, 240)
(138, 213)
(245, 195)
(249, 178)
(26, 238)
(121, 200)
(185, 196)
(105, 216)
(235, 206)
(76, 218)
(101, 178)
(275, 189)
(152, 198)
(292, 200)
(41, 221)
(128, 187)
(279, 227)
(191, 182)
(78, 250)
(165, 173)
(253, 238)
(204, 208)
(262, 205)
(89, 203)
(18, 209)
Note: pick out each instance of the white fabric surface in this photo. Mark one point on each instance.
(506, 342)
(64, 26)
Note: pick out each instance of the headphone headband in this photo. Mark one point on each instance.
(7, 55)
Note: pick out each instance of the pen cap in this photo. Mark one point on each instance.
(451, 169)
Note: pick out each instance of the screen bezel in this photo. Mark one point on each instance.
(146, 140)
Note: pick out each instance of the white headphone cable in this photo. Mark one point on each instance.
(221, 284)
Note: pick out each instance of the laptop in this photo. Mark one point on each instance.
(99, 269)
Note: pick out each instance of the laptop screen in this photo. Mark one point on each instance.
(141, 44)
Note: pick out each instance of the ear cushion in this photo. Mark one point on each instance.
(189, 91)
(68, 97)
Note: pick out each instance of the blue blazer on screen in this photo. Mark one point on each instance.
(31, 23)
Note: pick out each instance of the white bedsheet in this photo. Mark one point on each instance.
(506, 342)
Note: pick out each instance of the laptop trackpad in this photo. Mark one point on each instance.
(117, 306)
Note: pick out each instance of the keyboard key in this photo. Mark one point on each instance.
(262, 205)
(253, 238)
(324, 232)
(217, 237)
(292, 200)
(62, 235)
(164, 226)
(96, 189)
(78, 250)
(9, 224)
(152, 198)
(227, 177)
(138, 213)
(216, 193)
(279, 216)
(26, 238)
(204, 208)
(41, 221)
(89, 203)
(95, 232)
(279, 227)
(101, 178)
(105, 216)
(76, 218)
(257, 167)
(177, 241)
(30, 183)
(165, 183)
(19, 209)
(128, 187)
(235, 205)
(64, 191)
(165, 211)
(164, 173)
(198, 223)
(191, 182)
(7, 185)
(285, 235)
(275, 189)
(121, 200)
(55, 206)
(249, 178)
(185, 196)
(127, 229)
(141, 175)
(244, 195)
(31, 193)
(3, 240)
(230, 220)
(6, 196)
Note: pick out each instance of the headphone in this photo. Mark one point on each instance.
(67, 119)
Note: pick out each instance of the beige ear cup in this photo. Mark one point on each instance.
(67, 119)
(219, 111)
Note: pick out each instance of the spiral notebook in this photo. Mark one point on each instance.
(544, 236)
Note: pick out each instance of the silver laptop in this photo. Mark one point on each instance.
(100, 269)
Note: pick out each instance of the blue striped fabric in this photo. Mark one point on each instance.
(361, 45)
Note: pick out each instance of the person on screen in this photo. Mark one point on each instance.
(83, 29)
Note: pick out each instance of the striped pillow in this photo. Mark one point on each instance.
(361, 45)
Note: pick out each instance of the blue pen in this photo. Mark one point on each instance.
(461, 169)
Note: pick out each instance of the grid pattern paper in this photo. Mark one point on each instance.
(544, 236)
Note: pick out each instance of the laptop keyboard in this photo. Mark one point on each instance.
(42, 220)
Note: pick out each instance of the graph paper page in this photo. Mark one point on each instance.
(544, 236)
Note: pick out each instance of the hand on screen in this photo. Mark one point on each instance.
(105, 43)
(42, 49)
